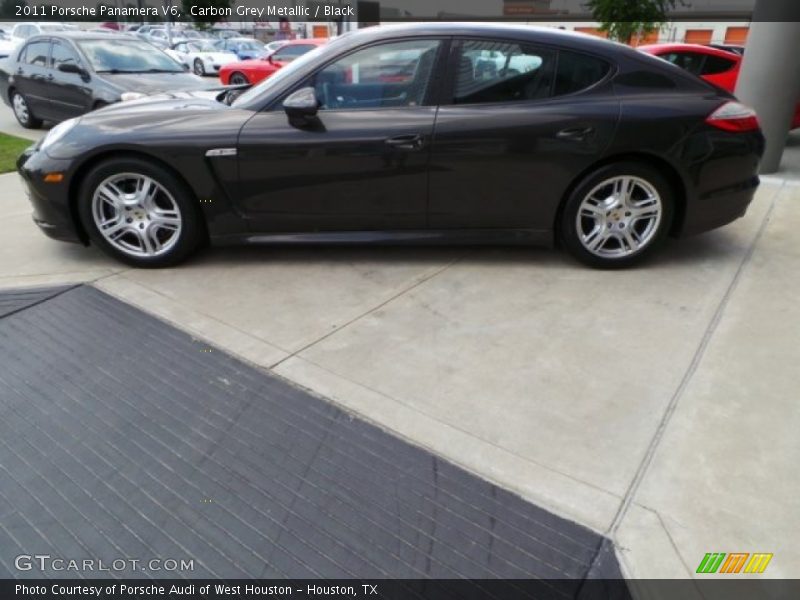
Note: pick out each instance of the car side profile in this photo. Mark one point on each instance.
(430, 133)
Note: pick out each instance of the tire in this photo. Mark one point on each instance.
(604, 227)
(24, 115)
(139, 213)
(199, 67)
(238, 78)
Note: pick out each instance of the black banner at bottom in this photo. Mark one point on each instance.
(419, 589)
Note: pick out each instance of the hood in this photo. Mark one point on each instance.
(153, 83)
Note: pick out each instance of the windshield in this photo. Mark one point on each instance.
(247, 45)
(51, 27)
(127, 56)
(294, 66)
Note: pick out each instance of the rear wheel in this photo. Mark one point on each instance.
(23, 112)
(199, 67)
(238, 79)
(139, 213)
(617, 216)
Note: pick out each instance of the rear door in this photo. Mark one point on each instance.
(30, 77)
(520, 122)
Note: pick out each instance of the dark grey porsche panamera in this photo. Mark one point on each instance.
(414, 133)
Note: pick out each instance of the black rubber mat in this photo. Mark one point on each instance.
(123, 437)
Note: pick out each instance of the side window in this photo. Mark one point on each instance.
(387, 75)
(490, 71)
(689, 61)
(62, 54)
(36, 53)
(577, 72)
(715, 65)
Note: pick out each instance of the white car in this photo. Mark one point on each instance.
(7, 45)
(201, 57)
(22, 31)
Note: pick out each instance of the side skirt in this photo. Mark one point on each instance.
(432, 237)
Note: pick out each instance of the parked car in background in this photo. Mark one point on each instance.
(253, 71)
(243, 48)
(715, 66)
(601, 147)
(202, 57)
(22, 31)
(66, 74)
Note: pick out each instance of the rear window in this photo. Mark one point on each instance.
(35, 53)
(717, 64)
(577, 72)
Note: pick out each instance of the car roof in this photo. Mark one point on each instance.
(302, 41)
(535, 33)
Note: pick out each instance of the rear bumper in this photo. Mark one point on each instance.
(719, 208)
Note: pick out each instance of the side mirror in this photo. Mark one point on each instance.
(269, 59)
(73, 68)
(301, 106)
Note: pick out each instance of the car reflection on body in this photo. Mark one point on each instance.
(595, 145)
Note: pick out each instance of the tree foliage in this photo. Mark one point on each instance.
(622, 19)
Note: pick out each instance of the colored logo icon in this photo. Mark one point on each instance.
(735, 562)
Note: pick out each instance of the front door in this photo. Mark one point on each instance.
(362, 164)
(71, 95)
(30, 78)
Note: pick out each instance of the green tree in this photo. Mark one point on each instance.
(622, 19)
(205, 21)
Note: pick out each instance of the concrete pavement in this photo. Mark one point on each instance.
(654, 405)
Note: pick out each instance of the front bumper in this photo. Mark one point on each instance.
(50, 201)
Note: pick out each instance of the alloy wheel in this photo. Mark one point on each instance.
(21, 108)
(136, 215)
(199, 67)
(619, 217)
(238, 79)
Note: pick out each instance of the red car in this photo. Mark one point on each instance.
(253, 71)
(715, 66)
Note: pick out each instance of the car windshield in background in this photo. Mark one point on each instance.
(279, 76)
(248, 45)
(128, 56)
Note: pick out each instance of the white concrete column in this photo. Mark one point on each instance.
(769, 80)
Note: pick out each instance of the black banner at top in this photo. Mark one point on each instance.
(273, 12)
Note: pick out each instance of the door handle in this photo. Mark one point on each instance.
(406, 142)
(577, 134)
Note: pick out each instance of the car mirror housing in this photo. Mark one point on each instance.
(302, 105)
(73, 68)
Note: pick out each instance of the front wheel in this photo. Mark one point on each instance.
(139, 212)
(199, 67)
(617, 215)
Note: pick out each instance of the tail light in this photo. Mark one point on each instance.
(733, 116)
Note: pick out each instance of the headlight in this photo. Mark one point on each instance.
(57, 132)
(126, 96)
